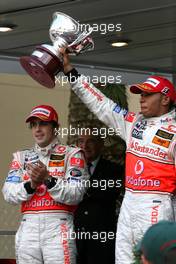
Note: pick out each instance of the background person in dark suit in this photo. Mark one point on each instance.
(96, 215)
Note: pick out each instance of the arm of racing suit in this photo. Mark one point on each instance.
(104, 108)
(15, 190)
(71, 188)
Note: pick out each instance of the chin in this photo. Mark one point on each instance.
(87, 157)
(40, 142)
(148, 115)
(145, 114)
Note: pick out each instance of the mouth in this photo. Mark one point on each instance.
(87, 152)
(39, 136)
(143, 107)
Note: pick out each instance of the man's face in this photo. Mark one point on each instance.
(152, 104)
(91, 146)
(42, 132)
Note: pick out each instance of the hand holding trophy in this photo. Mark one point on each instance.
(47, 61)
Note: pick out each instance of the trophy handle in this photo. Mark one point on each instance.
(86, 45)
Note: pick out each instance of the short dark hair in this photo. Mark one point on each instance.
(54, 124)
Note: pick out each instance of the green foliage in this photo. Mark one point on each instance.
(137, 255)
(116, 92)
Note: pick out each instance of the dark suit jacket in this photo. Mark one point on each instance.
(97, 211)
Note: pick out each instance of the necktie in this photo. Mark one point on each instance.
(89, 165)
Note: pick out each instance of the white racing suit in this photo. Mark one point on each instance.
(150, 166)
(46, 231)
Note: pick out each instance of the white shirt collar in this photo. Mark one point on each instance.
(46, 150)
(94, 164)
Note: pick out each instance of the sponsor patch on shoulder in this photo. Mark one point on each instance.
(77, 162)
(125, 112)
(14, 165)
(117, 108)
(130, 116)
(13, 178)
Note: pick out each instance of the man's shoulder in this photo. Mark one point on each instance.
(107, 165)
(21, 155)
(24, 151)
(107, 161)
(131, 116)
(111, 166)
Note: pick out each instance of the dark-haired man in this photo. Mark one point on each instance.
(150, 157)
(48, 181)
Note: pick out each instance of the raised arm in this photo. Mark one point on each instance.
(105, 109)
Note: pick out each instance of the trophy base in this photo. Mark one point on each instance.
(42, 66)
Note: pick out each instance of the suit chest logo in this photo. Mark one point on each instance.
(139, 129)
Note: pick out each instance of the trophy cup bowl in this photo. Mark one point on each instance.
(46, 61)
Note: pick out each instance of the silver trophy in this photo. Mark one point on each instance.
(46, 61)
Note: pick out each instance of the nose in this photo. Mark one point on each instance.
(142, 98)
(83, 145)
(37, 126)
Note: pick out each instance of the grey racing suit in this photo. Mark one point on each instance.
(150, 165)
(46, 231)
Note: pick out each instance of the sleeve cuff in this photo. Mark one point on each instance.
(72, 75)
(28, 188)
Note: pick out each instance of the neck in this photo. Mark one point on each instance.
(47, 144)
(92, 159)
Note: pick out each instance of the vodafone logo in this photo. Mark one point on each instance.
(154, 214)
(41, 190)
(77, 162)
(61, 149)
(139, 167)
(14, 165)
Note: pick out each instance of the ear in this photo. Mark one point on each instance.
(55, 130)
(165, 100)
